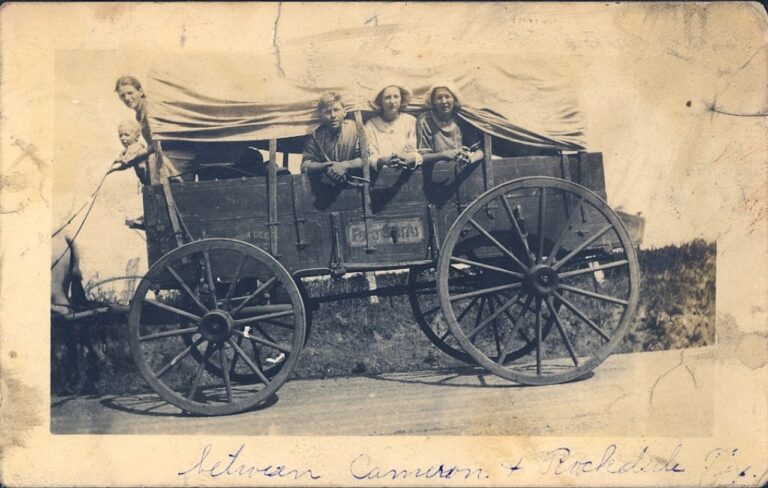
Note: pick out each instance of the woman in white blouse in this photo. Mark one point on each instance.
(391, 133)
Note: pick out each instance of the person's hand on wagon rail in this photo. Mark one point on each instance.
(334, 146)
(442, 135)
(392, 133)
(407, 161)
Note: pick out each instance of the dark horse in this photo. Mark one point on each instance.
(71, 341)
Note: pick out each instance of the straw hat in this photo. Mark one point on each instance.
(443, 84)
(405, 93)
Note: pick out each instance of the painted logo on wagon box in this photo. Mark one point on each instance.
(408, 231)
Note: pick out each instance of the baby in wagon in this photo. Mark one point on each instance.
(133, 156)
(133, 149)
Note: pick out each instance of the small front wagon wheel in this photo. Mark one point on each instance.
(216, 326)
(556, 278)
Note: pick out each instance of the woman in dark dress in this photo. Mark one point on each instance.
(441, 134)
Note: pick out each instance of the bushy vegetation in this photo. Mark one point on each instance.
(354, 336)
(677, 298)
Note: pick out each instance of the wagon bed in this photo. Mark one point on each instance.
(515, 264)
(410, 213)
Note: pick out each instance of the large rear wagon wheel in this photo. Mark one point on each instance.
(202, 343)
(554, 257)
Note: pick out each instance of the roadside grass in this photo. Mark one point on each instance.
(354, 336)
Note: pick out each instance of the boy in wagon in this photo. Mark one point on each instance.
(334, 146)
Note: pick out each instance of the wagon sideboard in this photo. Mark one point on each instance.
(322, 227)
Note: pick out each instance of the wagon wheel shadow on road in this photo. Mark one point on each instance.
(457, 377)
(150, 404)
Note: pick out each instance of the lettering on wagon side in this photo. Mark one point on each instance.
(409, 231)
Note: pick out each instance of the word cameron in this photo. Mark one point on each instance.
(233, 466)
(364, 468)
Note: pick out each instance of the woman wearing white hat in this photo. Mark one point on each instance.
(441, 135)
(391, 133)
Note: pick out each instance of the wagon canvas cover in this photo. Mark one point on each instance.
(250, 96)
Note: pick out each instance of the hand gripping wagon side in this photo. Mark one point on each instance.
(516, 263)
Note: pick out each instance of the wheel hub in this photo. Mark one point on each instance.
(217, 326)
(543, 279)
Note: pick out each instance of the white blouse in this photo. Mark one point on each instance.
(387, 138)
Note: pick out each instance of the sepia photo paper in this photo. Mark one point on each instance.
(384, 244)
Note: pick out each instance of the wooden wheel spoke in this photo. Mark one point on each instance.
(268, 316)
(615, 264)
(265, 334)
(516, 226)
(582, 246)
(487, 266)
(257, 355)
(209, 348)
(538, 335)
(564, 231)
(581, 315)
(508, 343)
(178, 358)
(277, 324)
(173, 310)
(170, 333)
(235, 281)
(186, 289)
(484, 291)
(496, 338)
(479, 314)
(560, 328)
(253, 295)
(209, 278)
(265, 342)
(466, 310)
(496, 243)
(540, 227)
(234, 356)
(527, 306)
(503, 308)
(264, 309)
(225, 372)
(256, 369)
(598, 296)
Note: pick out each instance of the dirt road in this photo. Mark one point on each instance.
(665, 393)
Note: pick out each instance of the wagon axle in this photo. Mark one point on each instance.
(216, 326)
(542, 280)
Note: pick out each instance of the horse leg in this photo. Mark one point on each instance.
(92, 370)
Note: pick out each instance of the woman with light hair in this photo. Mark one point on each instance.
(391, 133)
(441, 134)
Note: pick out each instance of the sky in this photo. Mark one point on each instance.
(647, 79)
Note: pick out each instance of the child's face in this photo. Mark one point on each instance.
(128, 136)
